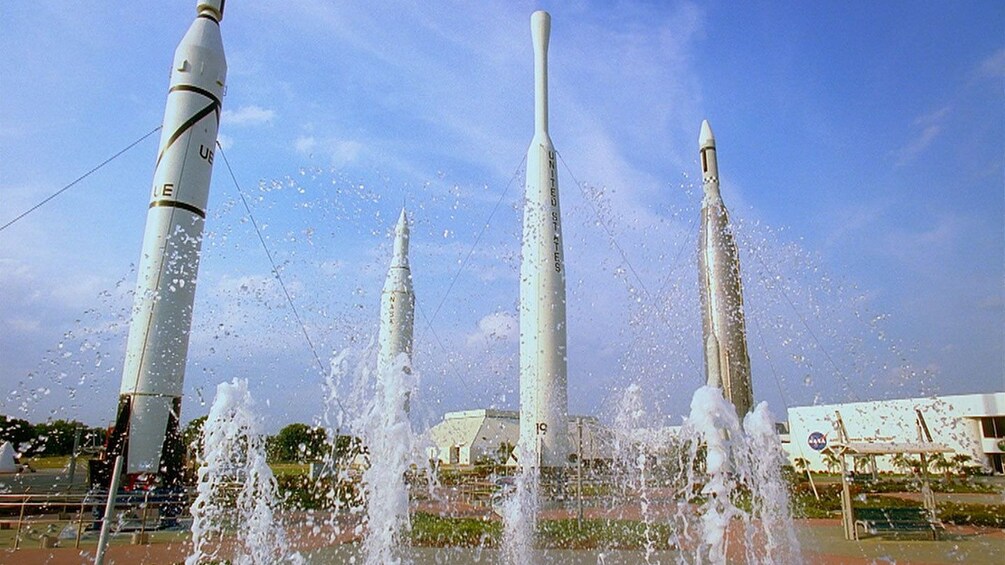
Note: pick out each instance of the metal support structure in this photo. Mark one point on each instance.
(73, 456)
(80, 525)
(847, 513)
(113, 489)
(579, 475)
(20, 520)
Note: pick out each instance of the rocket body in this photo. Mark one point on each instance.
(727, 364)
(543, 347)
(152, 380)
(397, 304)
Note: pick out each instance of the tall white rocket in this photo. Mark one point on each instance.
(397, 303)
(543, 381)
(152, 381)
(727, 364)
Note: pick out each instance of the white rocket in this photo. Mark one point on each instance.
(146, 427)
(543, 396)
(397, 303)
(727, 364)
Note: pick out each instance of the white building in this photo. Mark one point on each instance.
(472, 437)
(969, 424)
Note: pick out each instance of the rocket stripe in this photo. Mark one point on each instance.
(196, 89)
(214, 107)
(178, 204)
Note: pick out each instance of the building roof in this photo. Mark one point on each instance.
(889, 448)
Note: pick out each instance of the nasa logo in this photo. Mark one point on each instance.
(817, 441)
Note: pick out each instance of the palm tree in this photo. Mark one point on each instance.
(939, 461)
(832, 461)
(961, 461)
(801, 464)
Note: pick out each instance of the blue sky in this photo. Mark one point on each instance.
(860, 146)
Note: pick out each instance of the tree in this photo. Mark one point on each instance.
(961, 462)
(16, 431)
(297, 443)
(941, 462)
(832, 460)
(801, 464)
(55, 438)
(906, 464)
(192, 435)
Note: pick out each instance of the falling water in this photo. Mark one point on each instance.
(737, 461)
(376, 411)
(631, 458)
(388, 438)
(234, 460)
(520, 510)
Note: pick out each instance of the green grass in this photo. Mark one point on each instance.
(50, 462)
(289, 469)
(434, 531)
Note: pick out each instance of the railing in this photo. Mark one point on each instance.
(53, 513)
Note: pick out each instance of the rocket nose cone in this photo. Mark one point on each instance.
(705, 138)
(402, 222)
(540, 27)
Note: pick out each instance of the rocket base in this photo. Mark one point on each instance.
(99, 471)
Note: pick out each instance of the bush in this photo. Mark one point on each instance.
(992, 515)
(301, 492)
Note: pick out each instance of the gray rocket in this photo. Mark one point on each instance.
(146, 426)
(727, 364)
(544, 402)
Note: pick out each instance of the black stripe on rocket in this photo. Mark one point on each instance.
(178, 204)
(213, 108)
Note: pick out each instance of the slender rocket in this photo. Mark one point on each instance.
(727, 364)
(397, 303)
(146, 426)
(543, 394)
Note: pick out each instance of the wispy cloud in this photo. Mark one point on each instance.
(928, 249)
(250, 115)
(340, 151)
(994, 65)
(930, 126)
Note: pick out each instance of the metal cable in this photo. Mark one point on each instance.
(275, 271)
(80, 178)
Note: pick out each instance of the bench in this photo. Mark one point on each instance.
(897, 520)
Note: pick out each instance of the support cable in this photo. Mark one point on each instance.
(478, 239)
(78, 179)
(275, 271)
(429, 320)
(806, 325)
(607, 229)
(624, 256)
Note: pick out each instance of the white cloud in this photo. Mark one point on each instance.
(340, 151)
(225, 141)
(498, 326)
(248, 116)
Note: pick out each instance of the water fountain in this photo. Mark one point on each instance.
(236, 488)
(723, 461)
